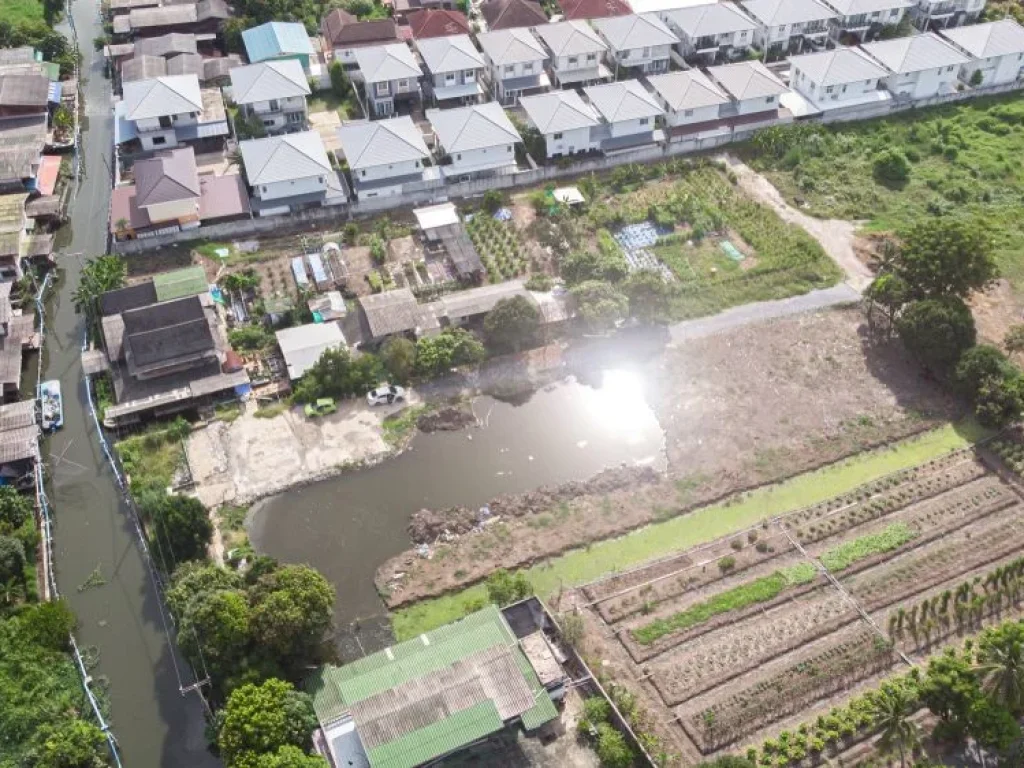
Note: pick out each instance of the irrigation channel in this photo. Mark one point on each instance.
(154, 723)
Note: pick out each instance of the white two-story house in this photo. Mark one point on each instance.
(477, 140)
(567, 123)
(691, 101)
(640, 44)
(920, 66)
(577, 53)
(384, 155)
(455, 69)
(754, 91)
(943, 14)
(862, 20)
(389, 75)
(290, 173)
(273, 92)
(712, 32)
(996, 50)
(516, 63)
(790, 26)
(629, 115)
(163, 112)
(841, 77)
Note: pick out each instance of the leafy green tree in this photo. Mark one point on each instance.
(949, 690)
(182, 524)
(512, 324)
(220, 622)
(12, 559)
(48, 625)
(992, 726)
(336, 374)
(260, 719)
(340, 84)
(292, 610)
(285, 757)
(504, 588)
(946, 257)
(73, 743)
(450, 348)
(978, 365)
(581, 266)
(194, 579)
(600, 304)
(1000, 665)
(612, 749)
(493, 200)
(99, 275)
(650, 296)
(890, 711)
(891, 166)
(1000, 401)
(249, 337)
(937, 331)
(891, 293)
(399, 358)
(15, 509)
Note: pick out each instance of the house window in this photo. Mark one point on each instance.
(572, 61)
(625, 54)
(159, 140)
(830, 88)
(383, 89)
(687, 113)
(469, 75)
(894, 13)
(647, 52)
(274, 105)
(449, 77)
(644, 120)
(557, 136)
(363, 173)
(268, 123)
(528, 66)
(320, 179)
(165, 122)
(417, 163)
(743, 35)
(458, 156)
(510, 69)
(782, 29)
(263, 190)
(508, 148)
(769, 100)
(591, 57)
(294, 117)
(949, 69)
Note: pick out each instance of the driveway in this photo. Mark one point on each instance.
(327, 125)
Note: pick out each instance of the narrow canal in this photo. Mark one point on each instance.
(154, 724)
(349, 525)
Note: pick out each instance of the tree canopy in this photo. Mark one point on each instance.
(512, 324)
(937, 331)
(449, 349)
(181, 524)
(261, 719)
(944, 257)
(398, 356)
(600, 304)
(99, 275)
(336, 374)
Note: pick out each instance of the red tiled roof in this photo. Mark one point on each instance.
(437, 22)
(341, 28)
(593, 9)
(222, 196)
(508, 14)
(122, 206)
(46, 178)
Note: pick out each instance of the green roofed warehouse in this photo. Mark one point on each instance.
(431, 696)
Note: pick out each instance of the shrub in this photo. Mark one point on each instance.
(597, 709)
(726, 564)
(612, 750)
(891, 166)
(492, 200)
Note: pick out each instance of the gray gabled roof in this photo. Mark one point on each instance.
(558, 111)
(747, 80)
(690, 89)
(166, 45)
(381, 63)
(172, 95)
(473, 127)
(168, 177)
(624, 100)
(634, 31)
(397, 140)
(773, 13)
(710, 19)
(284, 158)
(914, 53)
(838, 66)
(268, 80)
(511, 46)
(449, 54)
(857, 7)
(143, 67)
(983, 41)
(571, 38)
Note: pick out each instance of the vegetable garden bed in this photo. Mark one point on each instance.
(499, 247)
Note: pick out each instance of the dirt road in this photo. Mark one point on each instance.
(835, 235)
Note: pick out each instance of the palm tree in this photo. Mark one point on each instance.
(1000, 669)
(99, 275)
(891, 709)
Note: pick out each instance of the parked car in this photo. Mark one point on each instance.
(321, 407)
(385, 395)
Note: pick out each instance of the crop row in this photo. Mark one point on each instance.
(760, 590)
(1011, 451)
(725, 653)
(789, 691)
(879, 498)
(889, 538)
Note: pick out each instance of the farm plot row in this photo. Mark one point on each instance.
(618, 597)
(861, 548)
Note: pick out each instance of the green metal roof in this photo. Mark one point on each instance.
(437, 739)
(190, 281)
(542, 712)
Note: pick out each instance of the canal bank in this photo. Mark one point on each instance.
(155, 725)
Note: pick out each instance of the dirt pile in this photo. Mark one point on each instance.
(449, 419)
(428, 524)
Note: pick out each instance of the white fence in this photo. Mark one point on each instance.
(427, 192)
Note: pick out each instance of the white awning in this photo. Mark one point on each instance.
(434, 216)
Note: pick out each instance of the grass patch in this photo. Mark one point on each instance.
(583, 565)
(228, 412)
(965, 159)
(398, 428)
(20, 11)
(327, 101)
(272, 410)
(891, 537)
(758, 591)
(209, 249)
(150, 459)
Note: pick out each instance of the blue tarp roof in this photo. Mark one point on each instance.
(274, 39)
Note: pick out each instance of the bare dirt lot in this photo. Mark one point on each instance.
(739, 409)
(725, 655)
(252, 457)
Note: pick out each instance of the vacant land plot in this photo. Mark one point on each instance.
(17, 11)
(830, 397)
(727, 641)
(964, 159)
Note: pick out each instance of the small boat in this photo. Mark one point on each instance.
(52, 406)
